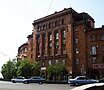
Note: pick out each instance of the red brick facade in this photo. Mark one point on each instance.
(65, 36)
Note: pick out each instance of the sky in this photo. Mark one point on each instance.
(17, 16)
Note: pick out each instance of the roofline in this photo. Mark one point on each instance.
(56, 14)
(23, 45)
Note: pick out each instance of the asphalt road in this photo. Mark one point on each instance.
(33, 86)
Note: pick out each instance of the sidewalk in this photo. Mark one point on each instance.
(85, 87)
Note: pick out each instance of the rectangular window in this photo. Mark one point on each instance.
(64, 41)
(56, 35)
(43, 63)
(76, 40)
(64, 51)
(25, 50)
(77, 61)
(102, 48)
(93, 50)
(93, 60)
(56, 61)
(50, 37)
(49, 62)
(102, 36)
(77, 50)
(76, 29)
(50, 45)
(64, 34)
(50, 52)
(93, 37)
(56, 52)
(63, 61)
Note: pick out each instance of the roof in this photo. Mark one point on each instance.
(56, 14)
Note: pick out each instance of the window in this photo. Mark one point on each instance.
(50, 45)
(64, 51)
(57, 44)
(76, 40)
(102, 36)
(56, 23)
(49, 25)
(64, 41)
(102, 48)
(53, 24)
(64, 34)
(50, 36)
(77, 61)
(93, 50)
(44, 37)
(59, 22)
(49, 62)
(25, 50)
(63, 61)
(37, 28)
(77, 50)
(62, 21)
(50, 52)
(56, 35)
(56, 61)
(76, 29)
(38, 54)
(43, 63)
(44, 27)
(93, 37)
(93, 60)
(38, 39)
(56, 52)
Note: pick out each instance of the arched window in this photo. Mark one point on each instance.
(56, 23)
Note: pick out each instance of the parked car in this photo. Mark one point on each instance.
(79, 80)
(101, 80)
(18, 79)
(35, 79)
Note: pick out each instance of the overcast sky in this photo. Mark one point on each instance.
(17, 16)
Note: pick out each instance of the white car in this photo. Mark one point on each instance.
(79, 80)
(18, 79)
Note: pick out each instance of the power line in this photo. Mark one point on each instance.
(50, 6)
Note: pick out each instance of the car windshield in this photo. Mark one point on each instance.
(81, 78)
(20, 77)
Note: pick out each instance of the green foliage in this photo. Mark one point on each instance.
(56, 69)
(8, 69)
(21, 68)
(27, 69)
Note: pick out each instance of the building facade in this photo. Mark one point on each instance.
(66, 36)
(22, 52)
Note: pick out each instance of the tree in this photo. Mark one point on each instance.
(56, 70)
(27, 68)
(8, 70)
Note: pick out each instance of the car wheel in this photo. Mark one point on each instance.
(76, 84)
(26, 82)
(13, 82)
(40, 82)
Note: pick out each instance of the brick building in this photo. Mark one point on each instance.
(22, 51)
(69, 37)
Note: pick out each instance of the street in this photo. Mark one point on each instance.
(32, 86)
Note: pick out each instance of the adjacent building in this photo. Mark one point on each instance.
(68, 37)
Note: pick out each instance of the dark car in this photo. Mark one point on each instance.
(35, 79)
(18, 79)
(101, 80)
(79, 80)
